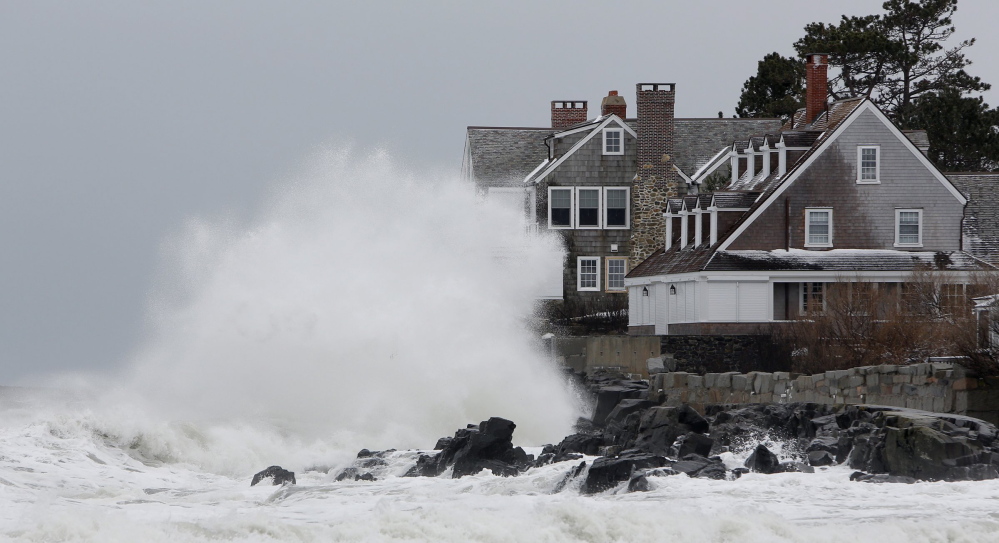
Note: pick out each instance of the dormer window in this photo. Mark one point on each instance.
(868, 164)
(613, 141)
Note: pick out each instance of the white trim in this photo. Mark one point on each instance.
(877, 165)
(607, 261)
(898, 216)
(808, 224)
(595, 130)
(669, 230)
(627, 209)
(572, 208)
(578, 209)
(579, 275)
(683, 228)
(620, 132)
(866, 106)
(798, 276)
(698, 227)
(714, 225)
(710, 166)
(683, 175)
(536, 169)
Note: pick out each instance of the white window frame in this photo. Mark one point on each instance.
(802, 293)
(627, 208)
(600, 209)
(572, 208)
(607, 286)
(620, 133)
(579, 274)
(860, 165)
(898, 227)
(808, 226)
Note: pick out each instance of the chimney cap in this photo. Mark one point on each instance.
(612, 93)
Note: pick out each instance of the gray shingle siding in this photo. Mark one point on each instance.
(863, 214)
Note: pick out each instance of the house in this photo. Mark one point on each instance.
(600, 183)
(838, 193)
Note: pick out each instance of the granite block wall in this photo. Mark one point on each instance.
(938, 386)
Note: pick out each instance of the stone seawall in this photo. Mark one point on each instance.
(938, 387)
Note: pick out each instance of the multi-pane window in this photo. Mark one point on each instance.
(818, 228)
(908, 227)
(617, 208)
(812, 298)
(867, 168)
(589, 208)
(588, 273)
(613, 141)
(616, 269)
(560, 212)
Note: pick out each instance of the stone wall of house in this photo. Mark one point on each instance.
(722, 353)
(938, 387)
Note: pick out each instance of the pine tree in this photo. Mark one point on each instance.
(776, 90)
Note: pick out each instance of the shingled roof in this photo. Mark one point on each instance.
(980, 227)
(500, 156)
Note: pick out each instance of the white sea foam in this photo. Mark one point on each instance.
(366, 307)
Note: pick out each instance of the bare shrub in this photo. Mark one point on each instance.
(865, 323)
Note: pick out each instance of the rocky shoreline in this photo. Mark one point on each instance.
(634, 438)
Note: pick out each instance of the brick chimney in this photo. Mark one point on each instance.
(817, 88)
(655, 180)
(568, 112)
(612, 103)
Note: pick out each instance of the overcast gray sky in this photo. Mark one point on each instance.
(119, 119)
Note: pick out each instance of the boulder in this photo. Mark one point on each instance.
(763, 461)
(607, 472)
(696, 444)
(279, 475)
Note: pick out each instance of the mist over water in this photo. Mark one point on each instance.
(365, 302)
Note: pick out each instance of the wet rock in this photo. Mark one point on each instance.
(606, 473)
(639, 483)
(696, 444)
(279, 475)
(763, 461)
(820, 458)
(587, 444)
(569, 477)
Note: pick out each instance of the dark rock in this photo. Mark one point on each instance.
(569, 476)
(691, 419)
(639, 483)
(763, 461)
(443, 443)
(696, 444)
(714, 470)
(608, 398)
(739, 472)
(627, 407)
(280, 476)
(580, 443)
(820, 458)
(364, 453)
(606, 473)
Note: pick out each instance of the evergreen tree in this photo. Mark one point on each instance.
(896, 57)
(963, 131)
(777, 89)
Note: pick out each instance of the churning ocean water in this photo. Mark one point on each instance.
(369, 307)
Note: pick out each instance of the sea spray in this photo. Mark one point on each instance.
(364, 302)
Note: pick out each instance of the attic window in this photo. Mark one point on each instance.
(613, 141)
(868, 164)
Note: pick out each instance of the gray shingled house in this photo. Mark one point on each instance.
(837, 194)
(601, 183)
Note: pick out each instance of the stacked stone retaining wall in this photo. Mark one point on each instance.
(938, 387)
